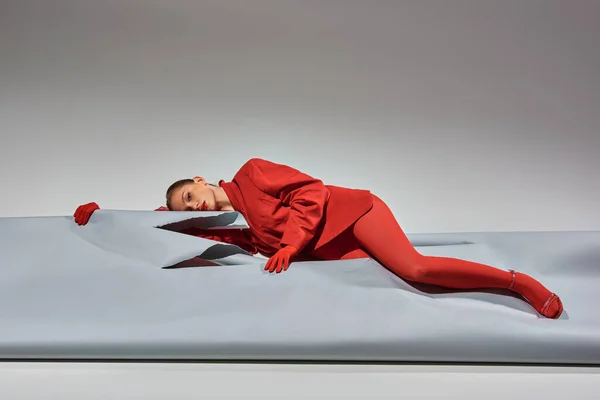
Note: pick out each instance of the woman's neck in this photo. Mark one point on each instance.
(223, 201)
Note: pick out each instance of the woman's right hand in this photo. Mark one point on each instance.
(84, 212)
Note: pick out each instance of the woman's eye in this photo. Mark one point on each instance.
(189, 197)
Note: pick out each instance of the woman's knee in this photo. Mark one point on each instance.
(414, 268)
(416, 273)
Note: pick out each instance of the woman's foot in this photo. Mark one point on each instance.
(544, 301)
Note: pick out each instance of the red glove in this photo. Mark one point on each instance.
(281, 260)
(84, 212)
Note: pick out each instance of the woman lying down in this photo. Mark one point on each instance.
(292, 215)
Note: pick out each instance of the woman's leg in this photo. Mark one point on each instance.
(383, 238)
(343, 247)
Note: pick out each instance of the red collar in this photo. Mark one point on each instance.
(234, 193)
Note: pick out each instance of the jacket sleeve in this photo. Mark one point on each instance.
(237, 237)
(304, 195)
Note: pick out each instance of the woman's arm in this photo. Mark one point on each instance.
(237, 237)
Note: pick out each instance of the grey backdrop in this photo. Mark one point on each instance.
(463, 115)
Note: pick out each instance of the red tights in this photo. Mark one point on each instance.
(382, 238)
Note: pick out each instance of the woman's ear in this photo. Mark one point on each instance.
(199, 179)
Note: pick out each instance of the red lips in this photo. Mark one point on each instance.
(203, 206)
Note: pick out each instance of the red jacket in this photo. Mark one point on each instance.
(284, 206)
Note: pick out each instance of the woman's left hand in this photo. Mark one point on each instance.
(281, 260)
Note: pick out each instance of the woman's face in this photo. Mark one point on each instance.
(197, 196)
